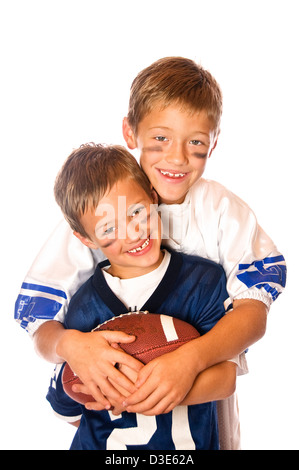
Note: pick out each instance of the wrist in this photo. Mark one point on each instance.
(66, 343)
(196, 354)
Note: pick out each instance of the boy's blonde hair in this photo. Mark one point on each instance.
(175, 80)
(86, 176)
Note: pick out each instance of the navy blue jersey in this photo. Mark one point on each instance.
(192, 289)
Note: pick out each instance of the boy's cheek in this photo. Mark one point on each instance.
(149, 158)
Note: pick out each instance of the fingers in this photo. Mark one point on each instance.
(116, 336)
(109, 381)
(115, 387)
(116, 408)
(121, 382)
(95, 362)
(156, 393)
(125, 359)
(96, 406)
(154, 404)
(100, 400)
(144, 373)
(143, 399)
(96, 393)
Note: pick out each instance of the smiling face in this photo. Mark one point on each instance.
(174, 146)
(126, 227)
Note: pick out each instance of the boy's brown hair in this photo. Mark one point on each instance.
(86, 176)
(174, 80)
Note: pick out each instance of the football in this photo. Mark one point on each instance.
(156, 334)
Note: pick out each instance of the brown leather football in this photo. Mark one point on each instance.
(155, 334)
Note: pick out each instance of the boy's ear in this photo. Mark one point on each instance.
(129, 135)
(86, 241)
(214, 144)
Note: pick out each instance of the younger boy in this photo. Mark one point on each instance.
(108, 202)
(174, 120)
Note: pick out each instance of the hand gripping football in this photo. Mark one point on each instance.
(155, 334)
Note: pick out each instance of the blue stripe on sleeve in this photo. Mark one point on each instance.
(29, 309)
(271, 277)
(48, 290)
(269, 260)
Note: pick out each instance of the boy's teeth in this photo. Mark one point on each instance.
(172, 175)
(140, 247)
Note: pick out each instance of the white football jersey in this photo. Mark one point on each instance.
(212, 223)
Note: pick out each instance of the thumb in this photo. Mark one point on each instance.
(144, 374)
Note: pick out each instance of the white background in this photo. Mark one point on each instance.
(66, 69)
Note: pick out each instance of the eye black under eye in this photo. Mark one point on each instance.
(200, 155)
(110, 242)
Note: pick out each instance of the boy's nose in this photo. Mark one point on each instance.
(177, 155)
(133, 233)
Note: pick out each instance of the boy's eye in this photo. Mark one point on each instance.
(108, 232)
(195, 142)
(161, 138)
(136, 211)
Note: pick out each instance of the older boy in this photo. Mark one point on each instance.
(174, 120)
(107, 200)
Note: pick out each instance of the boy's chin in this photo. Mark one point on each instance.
(172, 198)
(150, 260)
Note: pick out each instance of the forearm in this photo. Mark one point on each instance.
(76, 423)
(236, 331)
(215, 383)
(46, 340)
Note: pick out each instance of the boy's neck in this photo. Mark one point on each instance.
(133, 271)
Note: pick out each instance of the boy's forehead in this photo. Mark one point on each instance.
(126, 190)
(166, 116)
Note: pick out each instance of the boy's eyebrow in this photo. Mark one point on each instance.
(159, 127)
(100, 225)
(169, 129)
(107, 222)
(139, 203)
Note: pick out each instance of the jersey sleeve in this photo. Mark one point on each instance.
(241, 363)
(61, 267)
(254, 267)
(63, 406)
